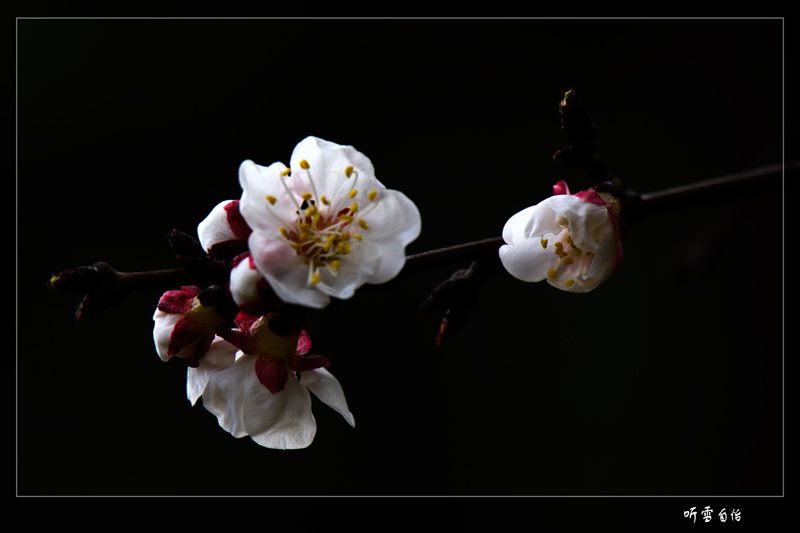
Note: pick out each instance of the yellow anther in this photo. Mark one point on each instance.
(343, 248)
(304, 164)
(346, 218)
(315, 278)
(353, 193)
(357, 236)
(315, 239)
(324, 200)
(311, 211)
(568, 260)
(544, 243)
(286, 172)
(562, 255)
(348, 171)
(569, 239)
(372, 195)
(354, 207)
(559, 244)
(334, 264)
(551, 273)
(570, 282)
(284, 232)
(304, 226)
(363, 223)
(271, 199)
(305, 235)
(577, 251)
(307, 196)
(345, 237)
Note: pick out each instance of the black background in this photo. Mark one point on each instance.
(665, 381)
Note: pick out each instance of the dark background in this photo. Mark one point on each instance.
(665, 381)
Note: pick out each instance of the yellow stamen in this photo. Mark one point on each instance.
(315, 278)
(353, 193)
(271, 199)
(334, 265)
(284, 232)
(286, 172)
(363, 223)
(348, 171)
(304, 226)
(324, 200)
(568, 260)
(570, 282)
(354, 207)
(307, 196)
(343, 248)
(551, 273)
(311, 211)
(345, 237)
(357, 236)
(304, 164)
(544, 243)
(372, 195)
(577, 251)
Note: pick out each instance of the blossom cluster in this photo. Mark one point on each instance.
(319, 228)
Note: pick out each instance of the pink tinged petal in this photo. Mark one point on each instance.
(560, 188)
(245, 321)
(328, 389)
(162, 330)
(236, 221)
(272, 373)
(590, 196)
(244, 282)
(241, 339)
(178, 301)
(215, 228)
(220, 355)
(303, 343)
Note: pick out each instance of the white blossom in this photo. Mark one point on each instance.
(325, 225)
(571, 240)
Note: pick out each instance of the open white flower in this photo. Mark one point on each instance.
(324, 226)
(249, 381)
(571, 240)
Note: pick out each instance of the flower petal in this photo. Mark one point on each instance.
(243, 406)
(588, 222)
(285, 271)
(327, 163)
(220, 355)
(215, 227)
(328, 389)
(257, 183)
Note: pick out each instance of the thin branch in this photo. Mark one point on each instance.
(102, 285)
